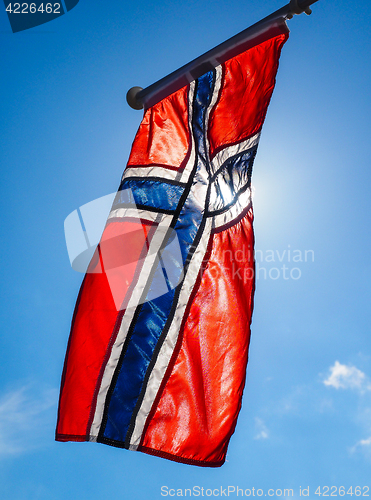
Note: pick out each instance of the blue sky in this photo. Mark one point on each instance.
(66, 132)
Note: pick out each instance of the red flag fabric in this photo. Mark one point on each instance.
(157, 356)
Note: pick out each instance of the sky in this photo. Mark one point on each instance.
(66, 133)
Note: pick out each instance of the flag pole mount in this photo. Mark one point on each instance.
(139, 98)
(131, 98)
(297, 9)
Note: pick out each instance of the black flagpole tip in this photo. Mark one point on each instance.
(300, 6)
(131, 98)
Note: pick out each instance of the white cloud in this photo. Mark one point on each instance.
(347, 377)
(261, 429)
(23, 419)
(364, 444)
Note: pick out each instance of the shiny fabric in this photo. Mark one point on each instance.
(153, 314)
(250, 75)
(152, 194)
(163, 135)
(95, 319)
(197, 411)
(159, 341)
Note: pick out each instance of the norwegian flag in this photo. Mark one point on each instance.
(157, 356)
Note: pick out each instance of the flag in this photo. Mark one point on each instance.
(157, 356)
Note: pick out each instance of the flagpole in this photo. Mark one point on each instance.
(139, 98)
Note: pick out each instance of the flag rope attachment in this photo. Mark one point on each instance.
(139, 98)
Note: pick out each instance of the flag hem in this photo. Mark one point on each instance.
(180, 459)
